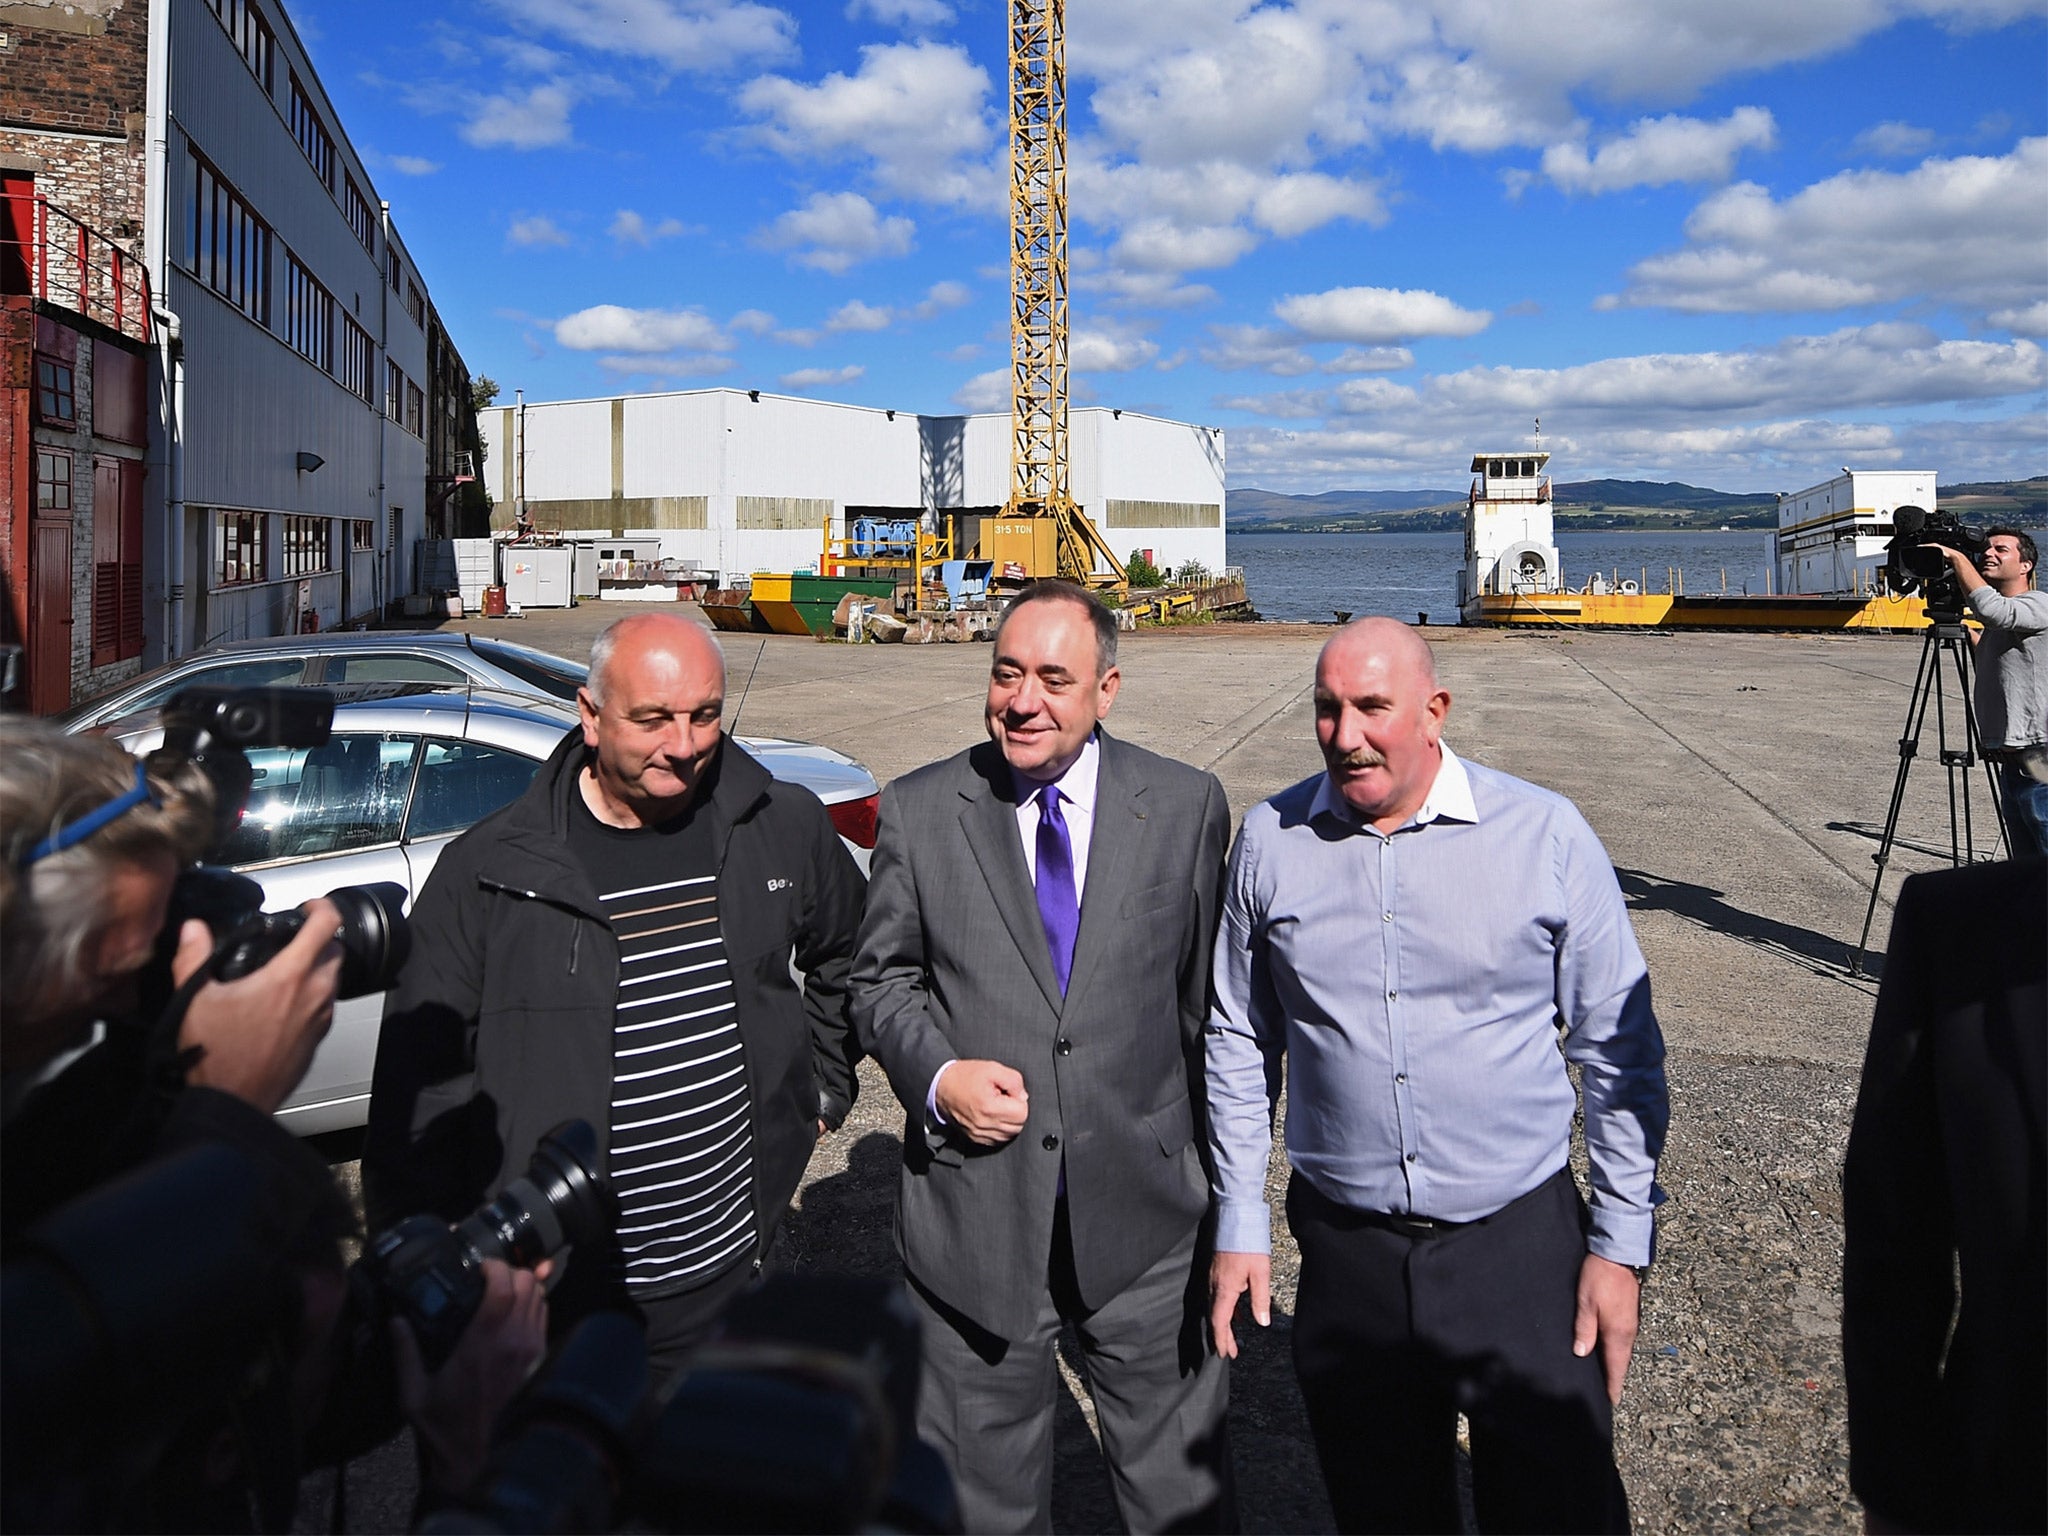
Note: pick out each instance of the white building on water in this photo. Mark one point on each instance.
(734, 481)
(1831, 537)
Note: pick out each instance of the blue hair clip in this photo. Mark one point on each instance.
(76, 832)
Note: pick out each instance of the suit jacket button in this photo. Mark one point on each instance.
(1051, 1143)
(1064, 1046)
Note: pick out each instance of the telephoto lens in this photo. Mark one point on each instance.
(431, 1274)
(374, 939)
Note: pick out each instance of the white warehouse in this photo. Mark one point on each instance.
(737, 481)
(1831, 537)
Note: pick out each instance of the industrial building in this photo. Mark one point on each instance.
(1831, 537)
(730, 481)
(180, 190)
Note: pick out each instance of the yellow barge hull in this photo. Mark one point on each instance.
(1649, 610)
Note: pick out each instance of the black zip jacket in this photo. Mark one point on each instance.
(501, 1025)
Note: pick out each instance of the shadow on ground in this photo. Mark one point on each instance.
(1710, 909)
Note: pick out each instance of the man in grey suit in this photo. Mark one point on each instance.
(1032, 975)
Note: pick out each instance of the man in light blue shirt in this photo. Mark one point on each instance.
(1431, 944)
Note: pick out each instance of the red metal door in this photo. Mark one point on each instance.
(49, 616)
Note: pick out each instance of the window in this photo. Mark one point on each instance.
(312, 134)
(308, 315)
(415, 410)
(55, 404)
(306, 546)
(227, 246)
(362, 218)
(394, 391)
(238, 552)
(358, 360)
(252, 36)
(53, 481)
(270, 672)
(537, 669)
(416, 304)
(387, 667)
(362, 533)
(348, 793)
(461, 783)
(397, 271)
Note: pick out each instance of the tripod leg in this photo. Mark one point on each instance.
(1926, 680)
(1965, 662)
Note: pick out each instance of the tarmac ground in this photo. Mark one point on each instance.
(1740, 783)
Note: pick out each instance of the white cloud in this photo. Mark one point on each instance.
(812, 378)
(1655, 152)
(941, 296)
(1721, 418)
(696, 365)
(614, 328)
(752, 322)
(833, 231)
(536, 230)
(911, 15)
(1370, 360)
(1965, 230)
(2025, 320)
(985, 391)
(413, 165)
(1893, 141)
(853, 315)
(1108, 349)
(1376, 316)
(531, 118)
(917, 113)
(630, 228)
(1255, 346)
(689, 35)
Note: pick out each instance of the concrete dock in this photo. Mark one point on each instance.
(1740, 783)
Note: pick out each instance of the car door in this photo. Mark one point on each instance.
(459, 784)
(317, 819)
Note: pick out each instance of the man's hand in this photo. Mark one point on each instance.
(256, 1036)
(1610, 1306)
(455, 1410)
(985, 1099)
(1230, 1276)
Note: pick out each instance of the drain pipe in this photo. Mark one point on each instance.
(380, 578)
(156, 266)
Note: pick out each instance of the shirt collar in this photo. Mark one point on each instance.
(1449, 797)
(1076, 785)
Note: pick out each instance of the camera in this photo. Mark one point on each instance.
(431, 1274)
(212, 728)
(1912, 564)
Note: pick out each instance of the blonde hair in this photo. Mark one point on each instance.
(52, 910)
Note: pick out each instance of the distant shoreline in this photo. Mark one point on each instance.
(1563, 522)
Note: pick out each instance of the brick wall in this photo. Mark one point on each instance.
(75, 101)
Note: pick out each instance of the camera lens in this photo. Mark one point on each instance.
(557, 1200)
(374, 937)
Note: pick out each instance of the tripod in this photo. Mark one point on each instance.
(1946, 637)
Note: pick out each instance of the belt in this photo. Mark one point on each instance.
(2013, 754)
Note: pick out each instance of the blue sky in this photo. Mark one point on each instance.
(1738, 243)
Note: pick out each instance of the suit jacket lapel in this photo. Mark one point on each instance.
(1112, 852)
(989, 820)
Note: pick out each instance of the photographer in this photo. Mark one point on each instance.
(118, 1416)
(2012, 678)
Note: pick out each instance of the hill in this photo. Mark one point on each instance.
(1998, 501)
(1251, 505)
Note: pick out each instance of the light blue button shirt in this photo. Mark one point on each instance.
(1428, 987)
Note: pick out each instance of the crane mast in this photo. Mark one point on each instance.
(1040, 486)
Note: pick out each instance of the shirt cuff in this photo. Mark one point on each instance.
(932, 1117)
(1623, 1237)
(1244, 1226)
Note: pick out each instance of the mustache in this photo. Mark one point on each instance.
(1363, 757)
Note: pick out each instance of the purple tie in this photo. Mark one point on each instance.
(1058, 907)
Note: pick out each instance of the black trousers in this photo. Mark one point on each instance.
(1398, 1330)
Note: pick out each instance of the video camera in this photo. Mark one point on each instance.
(1912, 564)
(800, 1415)
(212, 728)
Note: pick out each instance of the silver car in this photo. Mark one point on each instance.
(406, 769)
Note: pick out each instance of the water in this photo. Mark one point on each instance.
(1309, 576)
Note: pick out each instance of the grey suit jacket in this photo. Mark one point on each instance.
(953, 962)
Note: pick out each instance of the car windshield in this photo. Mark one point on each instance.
(551, 674)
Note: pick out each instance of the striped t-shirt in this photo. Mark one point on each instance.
(682, 1145)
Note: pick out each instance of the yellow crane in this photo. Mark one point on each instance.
(1041, 522)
